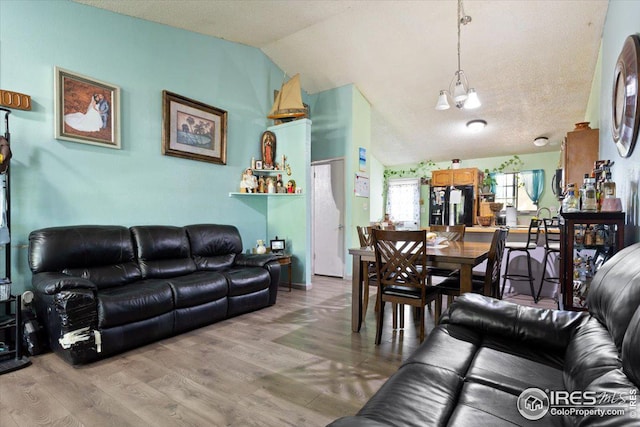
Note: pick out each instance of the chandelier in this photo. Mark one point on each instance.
(459, 91)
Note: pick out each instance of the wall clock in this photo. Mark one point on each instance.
(625, 112)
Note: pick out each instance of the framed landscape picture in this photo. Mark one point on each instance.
(193, 130)
(86, 110)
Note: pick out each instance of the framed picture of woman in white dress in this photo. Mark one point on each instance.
(86, 110)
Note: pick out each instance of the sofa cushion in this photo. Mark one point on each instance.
(417, 395)
(214, 246)
(247, 280)
(198, 288)
(615, 309)
(501, 365)
(590, 354)
(108, 276)
(631, 349)
(103, 254)
(480, 405)
(138, 301)
(163, 251)
(449, 346)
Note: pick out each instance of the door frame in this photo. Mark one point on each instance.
(343, 216)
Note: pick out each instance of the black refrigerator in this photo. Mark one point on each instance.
(451, 205)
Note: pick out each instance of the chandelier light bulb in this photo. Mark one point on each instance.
(472, 101)
(443, 102)
(459, 92)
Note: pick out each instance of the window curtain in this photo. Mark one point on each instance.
(403, 200)
(494, 184)
(533, 184)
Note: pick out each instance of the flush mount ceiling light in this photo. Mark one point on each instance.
(459, 91)
(541, 141)
(476, 125)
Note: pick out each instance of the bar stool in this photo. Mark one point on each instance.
(526, 247)
(551, 246)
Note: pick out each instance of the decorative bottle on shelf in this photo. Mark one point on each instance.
(590, 201)
(609, 187)
(570, 201)
(580, 194)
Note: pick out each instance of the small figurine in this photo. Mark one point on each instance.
(249, 182)
(291, 186)
(261, 187)
(271, 188)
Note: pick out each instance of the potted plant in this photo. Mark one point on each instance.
(515, 163)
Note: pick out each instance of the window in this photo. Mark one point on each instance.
(511, 191)
(403, 202)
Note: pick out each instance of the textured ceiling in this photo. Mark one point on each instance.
(532, 62)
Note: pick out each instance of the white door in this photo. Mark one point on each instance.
(328, 218)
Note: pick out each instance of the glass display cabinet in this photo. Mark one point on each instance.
(589, 239)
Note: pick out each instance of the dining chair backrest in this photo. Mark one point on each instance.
(534, 232)
(494, 260)
(453, 233)
(364, 234)
(401, 257)
(551, 233)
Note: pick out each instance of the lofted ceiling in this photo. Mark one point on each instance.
(531, 62)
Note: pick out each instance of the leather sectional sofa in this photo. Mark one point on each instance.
(474, 367)
(101, 290)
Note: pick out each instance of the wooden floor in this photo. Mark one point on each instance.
(294, 364)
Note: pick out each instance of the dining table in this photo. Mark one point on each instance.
(455, 255)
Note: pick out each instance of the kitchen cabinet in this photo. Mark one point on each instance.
(466, 176)
(589, 239)
(579, 153)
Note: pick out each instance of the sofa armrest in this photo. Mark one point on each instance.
(50, 283)
(549, 328)
(253, 260)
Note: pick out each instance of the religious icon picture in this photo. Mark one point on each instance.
(268, 146)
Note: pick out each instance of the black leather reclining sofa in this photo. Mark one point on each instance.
(485, 353)
(100, 290)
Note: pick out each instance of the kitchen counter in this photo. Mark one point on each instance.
(479, 229)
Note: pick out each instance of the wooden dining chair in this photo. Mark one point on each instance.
(453, 233)
(368, 268)
(401, 267)
(451, 285)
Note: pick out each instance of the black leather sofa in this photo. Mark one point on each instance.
(100, 290)
(484, 354)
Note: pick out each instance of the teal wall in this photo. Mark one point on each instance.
(332, 123)
(289, 217)
(622, 21)
(63, 183)
(341, 125)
